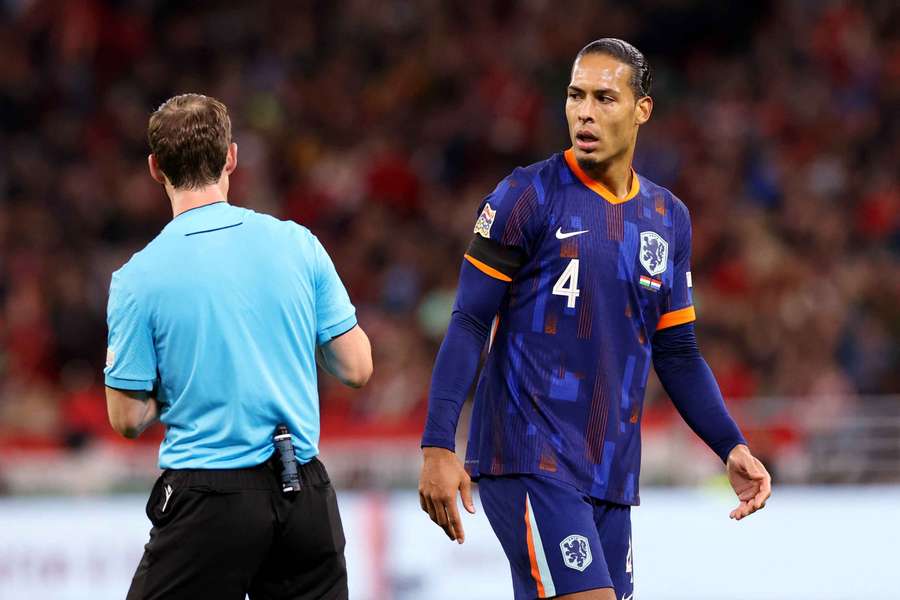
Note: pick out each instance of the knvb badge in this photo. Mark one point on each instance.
(654, 252)
(485, 221)
(576, 552)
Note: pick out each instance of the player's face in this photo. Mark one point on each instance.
(602, 112)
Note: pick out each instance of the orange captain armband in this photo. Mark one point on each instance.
(677, 317)
(494, 259)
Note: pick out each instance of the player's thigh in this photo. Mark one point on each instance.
(203, 542)
(307, 559)
(613, 523)
(547, 530)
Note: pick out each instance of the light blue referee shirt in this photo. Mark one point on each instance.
(221, 315)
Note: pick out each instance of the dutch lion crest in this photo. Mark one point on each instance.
(654, 253)
(576, 552)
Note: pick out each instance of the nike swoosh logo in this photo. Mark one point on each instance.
(628, 597)
(561, 236)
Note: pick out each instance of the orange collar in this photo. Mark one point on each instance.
(598, 187)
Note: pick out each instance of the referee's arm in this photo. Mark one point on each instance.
(347, 357)
(131, 370)
(131, 411)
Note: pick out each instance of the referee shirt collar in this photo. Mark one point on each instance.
(209, 217)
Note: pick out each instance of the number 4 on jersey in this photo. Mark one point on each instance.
(567, 284)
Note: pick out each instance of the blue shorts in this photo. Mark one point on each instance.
(557, 539)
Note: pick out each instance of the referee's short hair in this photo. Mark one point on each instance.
(641, 75)
(189, 135)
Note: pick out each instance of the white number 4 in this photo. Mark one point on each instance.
(567, 284)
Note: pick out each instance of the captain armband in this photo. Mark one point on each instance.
(494, 259)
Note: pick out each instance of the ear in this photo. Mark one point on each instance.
(231, 158)
(155, 172)
(642, 110)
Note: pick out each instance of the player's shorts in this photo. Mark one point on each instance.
(557, 539)
(228, 533)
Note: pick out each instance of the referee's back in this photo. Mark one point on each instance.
(216, 328)
(221, 314)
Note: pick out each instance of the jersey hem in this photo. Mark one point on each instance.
(611, 498)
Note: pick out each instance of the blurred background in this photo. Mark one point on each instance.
(380, 126)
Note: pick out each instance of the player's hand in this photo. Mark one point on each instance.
(750, 480)
(442, 475)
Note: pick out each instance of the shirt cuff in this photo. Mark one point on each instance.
(437, 442)
(338, 329)
(132, 385)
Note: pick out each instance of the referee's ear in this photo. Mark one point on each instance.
(231, 158)
(155, 172)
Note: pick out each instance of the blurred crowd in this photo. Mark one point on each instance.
(380, 127)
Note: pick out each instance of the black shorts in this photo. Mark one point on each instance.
(227, 533)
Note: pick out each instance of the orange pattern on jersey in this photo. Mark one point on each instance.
(615, 222)
(598, 187)
(569, 249)
(661, 205)
(585, 313)
(550, 324)
(677, 317)
(548, 460)
(596, 429)
(522, 212)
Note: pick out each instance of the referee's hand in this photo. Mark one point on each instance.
(442, 475)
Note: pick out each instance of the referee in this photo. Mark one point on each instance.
(215, 329)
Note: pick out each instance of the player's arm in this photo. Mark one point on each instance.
(483, 280)
(691, 385)
(347, 357)
(131, 412)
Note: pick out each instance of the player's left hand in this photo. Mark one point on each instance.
(750, 480)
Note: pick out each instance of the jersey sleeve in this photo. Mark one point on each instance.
(679, 305)
(335, 314)
(505, 229)
(131, 353)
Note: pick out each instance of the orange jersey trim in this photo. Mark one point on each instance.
(677, 317)
(532, 556)
(598, 187)
(487, 269)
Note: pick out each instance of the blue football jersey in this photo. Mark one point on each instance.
(562, 389)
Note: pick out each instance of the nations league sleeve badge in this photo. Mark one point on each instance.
(485, 221)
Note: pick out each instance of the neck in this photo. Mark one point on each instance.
(184, 200)
(615, 174)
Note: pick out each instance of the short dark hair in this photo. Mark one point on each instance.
(641, 75)
(189, 135)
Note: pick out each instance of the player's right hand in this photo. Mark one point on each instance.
(442, 475)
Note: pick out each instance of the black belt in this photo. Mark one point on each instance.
(260, 477)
